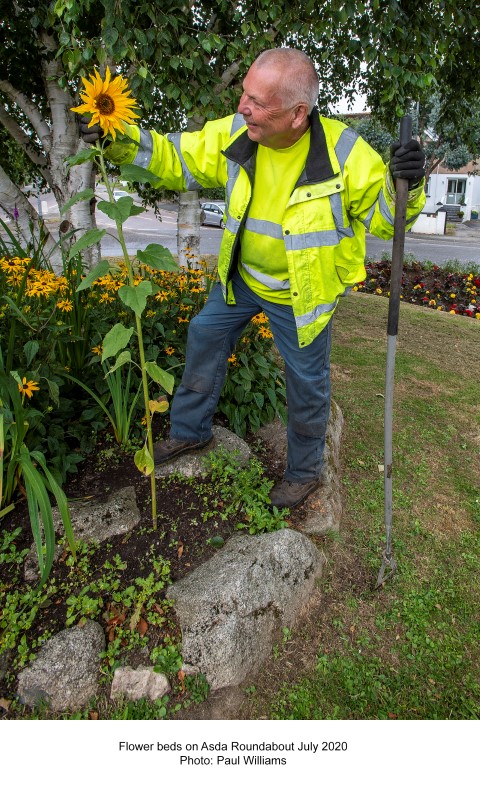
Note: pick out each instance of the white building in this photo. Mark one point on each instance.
(457, 192)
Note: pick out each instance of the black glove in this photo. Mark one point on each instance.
(407, 162)
(91, 134)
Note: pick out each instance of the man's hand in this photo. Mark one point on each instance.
(407, 162)
(90, 134)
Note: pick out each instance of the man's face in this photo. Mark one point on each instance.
(261, 105)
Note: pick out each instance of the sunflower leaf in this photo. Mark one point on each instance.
(85, 155)
(134, 173)
(85, 195)
(144, 461)
(135, 297)
(163, 378)
(90, 238)
(116, 339)
(158, 257)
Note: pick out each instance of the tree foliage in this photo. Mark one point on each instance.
(185, 60)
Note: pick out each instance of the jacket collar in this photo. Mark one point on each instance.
(317, 167)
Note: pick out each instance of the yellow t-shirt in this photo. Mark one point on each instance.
(263, 258)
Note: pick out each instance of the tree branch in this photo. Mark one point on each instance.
(16, 132)
(28, 108)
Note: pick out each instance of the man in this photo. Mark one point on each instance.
(301, 191)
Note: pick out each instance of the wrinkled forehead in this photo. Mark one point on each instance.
(264, 84)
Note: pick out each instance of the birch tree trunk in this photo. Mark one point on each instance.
(188, 229)
(28, 226)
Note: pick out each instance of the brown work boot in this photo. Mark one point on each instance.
(169, 449)
(291, 493)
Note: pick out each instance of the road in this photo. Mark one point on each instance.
(147, 228)
(436, 249)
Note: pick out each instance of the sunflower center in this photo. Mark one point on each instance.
(105, 104)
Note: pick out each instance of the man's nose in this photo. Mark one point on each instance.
(243, 106)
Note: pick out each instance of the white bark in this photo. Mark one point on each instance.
(58, 139)
(188, 233)
(28, 228)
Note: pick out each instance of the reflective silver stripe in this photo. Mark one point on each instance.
(344, 145)
(384, 209)
(312, 239)
(308, 318)
(267, 280)
(237, 123)
(190, 182)
(368, 218)
(143, 157)
(232, 224)
(233, 169)
(336, 207)
(264, 227)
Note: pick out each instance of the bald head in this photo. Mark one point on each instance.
(297, 77)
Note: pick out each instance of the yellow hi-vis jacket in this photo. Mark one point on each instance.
(343, 191)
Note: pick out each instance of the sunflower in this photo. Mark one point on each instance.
(108, 101)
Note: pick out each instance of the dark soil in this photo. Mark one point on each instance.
(181, 539)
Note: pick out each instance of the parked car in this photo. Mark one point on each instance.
(212, 213)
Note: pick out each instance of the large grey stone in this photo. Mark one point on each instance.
(136, 683)
(94, 521)
(66, 670)
(324, 507)
(231, 607)
(195, 464)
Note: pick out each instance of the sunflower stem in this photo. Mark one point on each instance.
(131, 281)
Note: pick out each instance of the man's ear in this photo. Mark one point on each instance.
(300, 116)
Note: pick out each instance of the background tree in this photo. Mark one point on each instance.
(185, 60)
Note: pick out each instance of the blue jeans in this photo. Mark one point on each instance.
(211, 341)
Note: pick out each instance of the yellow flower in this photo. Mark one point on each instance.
(232, 359)
(169, 350)
(260, 319)
(97, 350)
(453, 295)
(27, 388)
(65, 305)
(108, 101)
(264, 332)
(161, 296)
(378, 291)
(477, 316)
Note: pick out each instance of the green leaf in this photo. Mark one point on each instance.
(116, 339)
(144, 461)
(97, 272)
(135, 297)
(85, 155)
(30, 349)
(85, 195)
(124, 357)
(160, 376)
(53, 390)
(158, 257)
(90, 238)
(134, 173)
(121, 210)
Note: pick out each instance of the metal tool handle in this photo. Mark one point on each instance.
(401, 186)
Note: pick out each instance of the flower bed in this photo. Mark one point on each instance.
(430, 286)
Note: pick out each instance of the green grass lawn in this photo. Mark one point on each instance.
(410, 649)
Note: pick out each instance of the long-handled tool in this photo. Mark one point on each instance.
(388, 562)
